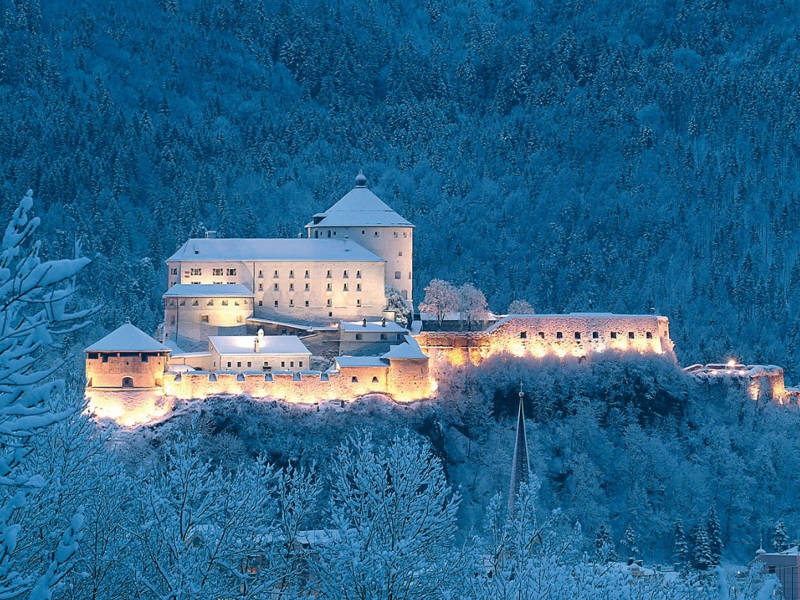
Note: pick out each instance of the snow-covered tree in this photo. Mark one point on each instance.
(394, 518)
(401, 307)
(701, 550)
(714, 537)
(441, 298)
(604, 545)
(629, 542)
(35, 311)
(780, 538)
(680, 548)
(520, 307)
(472, 305)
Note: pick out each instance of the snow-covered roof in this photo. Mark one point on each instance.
(127, 338)
(372, 326)
(272, 250)
(576, 315)
(268, 344)
(407, 350)
(208, 290)
(359, 207)
(361, 361)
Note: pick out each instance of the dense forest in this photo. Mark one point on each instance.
(630, 157)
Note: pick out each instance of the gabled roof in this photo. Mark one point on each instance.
(268, 344)
(409, 349)
(127, 338)
(272, 250)
(358, 207)
(207, 290)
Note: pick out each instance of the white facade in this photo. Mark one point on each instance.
(362, 217)
(258, 353)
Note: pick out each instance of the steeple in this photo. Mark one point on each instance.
(520, 468)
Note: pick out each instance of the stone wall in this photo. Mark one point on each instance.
(576, 334)
(110, 369)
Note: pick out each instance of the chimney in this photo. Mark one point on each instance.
(259, 339)
(383, 322)
(364, 323)
(256, 344)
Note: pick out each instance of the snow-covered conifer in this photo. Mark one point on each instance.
(714, 536)
(779, 537)
(680, 548)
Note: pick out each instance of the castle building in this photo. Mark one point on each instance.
(364, 218)
(126, 358)
(353, 251)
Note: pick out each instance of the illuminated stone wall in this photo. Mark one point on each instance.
(576, 334)
(109, 369)
(190, 321)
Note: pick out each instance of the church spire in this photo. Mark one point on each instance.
(520, 468)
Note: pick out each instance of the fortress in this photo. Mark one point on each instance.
(321, 318)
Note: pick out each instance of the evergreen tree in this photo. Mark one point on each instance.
(604, 545)
(779, 537)
(714, 537)
(680, 548)
(629, 542)
(701, 550)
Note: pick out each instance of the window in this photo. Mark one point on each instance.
(523, 335)
(274, 287)
(398, 275)
(196, 271)
(276, 304)
(105, 357)
(216, 272)
(328, 288)
(595, 335)
(409, 274)
(300, 364)
(613, 335)
(210, 303)
(224, 303)
(260, 274)
(283, 363)
(306, 303)
(329, 233)
(328, 275)
(306, 288)
(383, 336)
(358, 287)
(577, 335)
(400, 253)
(559, 335)
(358, 274)
(405, 234)
(329, 303)
(359, 336)
(358, 302)
(231, 272)
(275, 274)
(174, 270)
(196, 303)
(260, 287)
(649, 335)
(374, 380)
(541, 334)
(363, 232)
(182, 303)
(291, 302)
(291, 363)
(238, 318)
(631, 335)
(344, 289)
(291, 287)
(376, 234)
(217, 283)
(238, 363)
(354, 379)
(395, 234)
(204, 318)
(291, 273)
(93, 356)
(261, 303)
(229, 364)
(306, 275)
(344, 274)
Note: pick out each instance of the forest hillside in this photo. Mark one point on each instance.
(630, 157)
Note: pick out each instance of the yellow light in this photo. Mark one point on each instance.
(731, 363)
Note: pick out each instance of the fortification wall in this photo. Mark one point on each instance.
(577, 335)
(121, 368)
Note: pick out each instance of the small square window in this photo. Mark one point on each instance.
(613, 335)
(249, 364)
(523, 334)
(397, 275)
(300, 364)
(231, 272)
(276, 304)
(559, 335)
(354, 379)
(577, 335)
(261, 303)
(541, 334)
(174, 270)
(631, 335)
(359, 336)
(283, 363)
(306, 303)
(291, 363)
(238, 363)
(229, 364)
(204, 318)
(595, 335)
(649, 335)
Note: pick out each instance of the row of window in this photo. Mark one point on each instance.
(383, 337)
(210, 302)
(266, 364)
(231, 272)
(307, 288)
(595, 335)
(399, 275)
(328, 303)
